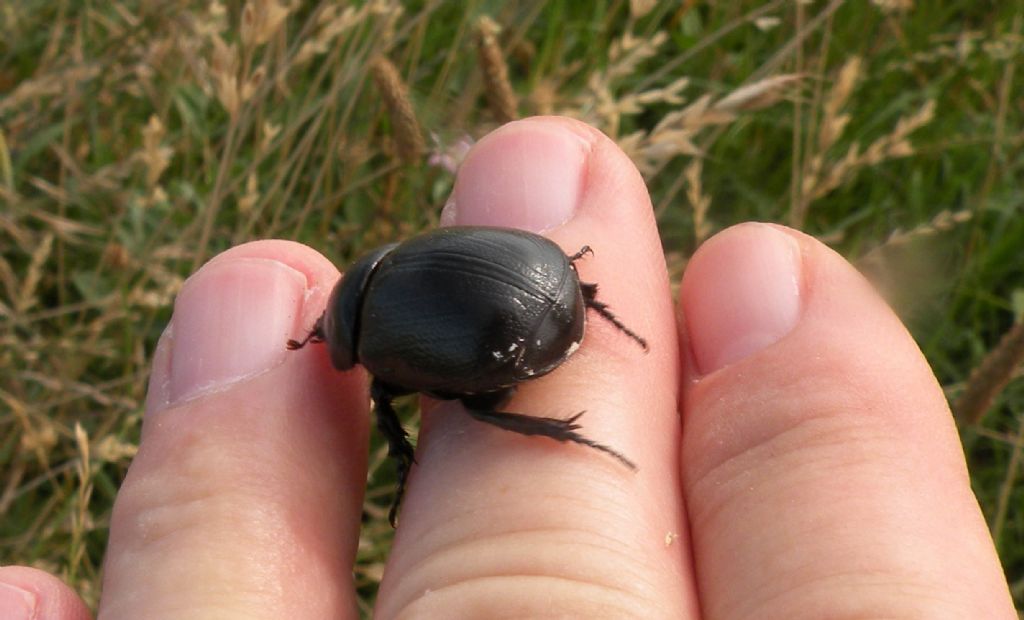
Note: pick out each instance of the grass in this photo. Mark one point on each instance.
(139, 139)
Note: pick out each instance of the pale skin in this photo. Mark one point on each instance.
(796, 456)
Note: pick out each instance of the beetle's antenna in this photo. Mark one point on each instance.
(589, 290)
(315, 335)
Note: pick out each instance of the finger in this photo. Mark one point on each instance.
(31, 594)
(497, 522)
(245, 497)
(823, 472)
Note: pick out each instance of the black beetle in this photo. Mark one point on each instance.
(461, 313)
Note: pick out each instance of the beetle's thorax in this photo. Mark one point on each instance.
(342, 319)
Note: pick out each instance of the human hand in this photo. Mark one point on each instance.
(815, 470)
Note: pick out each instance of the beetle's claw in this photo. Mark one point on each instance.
(315, 335)
(583, 252)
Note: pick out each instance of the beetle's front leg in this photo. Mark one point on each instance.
(315, 335)
(399, 447)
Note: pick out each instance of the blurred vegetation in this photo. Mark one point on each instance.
(138, 139)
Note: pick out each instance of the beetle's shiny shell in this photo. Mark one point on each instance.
(467, 310)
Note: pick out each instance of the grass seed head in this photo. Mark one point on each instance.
(500, 95)
(408, 137)
(990, 377)
(761, 94)
(261, 19)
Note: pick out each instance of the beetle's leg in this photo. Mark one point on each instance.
(399, 447)
(589, 290)
(583, 252)
(315, 335)
(559, 430)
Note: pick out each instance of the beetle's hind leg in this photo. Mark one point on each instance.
(399, 447)
(315, 335)
(589, 290)
(559, 430)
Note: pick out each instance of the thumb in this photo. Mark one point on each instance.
(245, 496)
(823, 473)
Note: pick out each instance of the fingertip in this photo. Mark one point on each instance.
(742, 291)
(31, 594)
(527, 174)
(542, 172)
(318, 270)
(233, 317)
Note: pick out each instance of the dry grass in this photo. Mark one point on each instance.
(137, 141)
(991, 376)
(495, 71)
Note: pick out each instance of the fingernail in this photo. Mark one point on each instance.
(527, 174)
(15, 603)
(741, 293)
(231, 321)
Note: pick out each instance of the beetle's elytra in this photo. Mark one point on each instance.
(461, 313)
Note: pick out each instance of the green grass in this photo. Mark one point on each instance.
(102, 218)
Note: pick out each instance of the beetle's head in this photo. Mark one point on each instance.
(341, 322)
